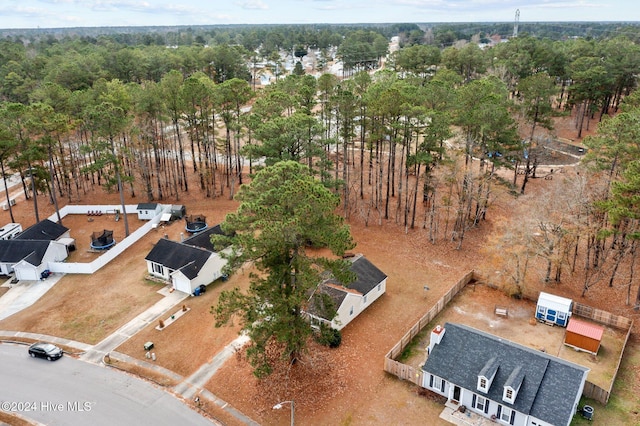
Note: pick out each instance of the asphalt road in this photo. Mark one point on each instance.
(72, 392)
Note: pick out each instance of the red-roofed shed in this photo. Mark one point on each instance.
(583, 335)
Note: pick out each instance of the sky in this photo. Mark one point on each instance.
(110, 13)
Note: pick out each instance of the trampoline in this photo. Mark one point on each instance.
(196, 223)
(102, 240)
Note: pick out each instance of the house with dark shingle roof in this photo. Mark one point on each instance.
(44, 230)
(502, 380)
(30, 252)
(185, 266)
(346, 301)
(203, 238)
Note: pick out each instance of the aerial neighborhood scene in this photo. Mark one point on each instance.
(319, 213)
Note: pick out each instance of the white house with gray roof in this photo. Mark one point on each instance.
(502, 380)
(348, 301)
(28, 254)
(187, 264)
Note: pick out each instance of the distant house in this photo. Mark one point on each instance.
(30, 252)
(346, 301)
(502, 380)
(186, 265)
(147, 211)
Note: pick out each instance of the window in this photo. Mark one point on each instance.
(436, 383)
(480, 403)
(157, 268)
(483, 383)
(507, 415)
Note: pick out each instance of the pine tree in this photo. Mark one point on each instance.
(283, 212)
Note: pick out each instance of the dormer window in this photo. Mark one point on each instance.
(512, 385)
(486, 375)
(509, 395)
(483, 384)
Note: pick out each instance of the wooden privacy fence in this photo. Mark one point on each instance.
(592, 390)
(407, 372)
(602, 317)
(415, 375)
(596, 392)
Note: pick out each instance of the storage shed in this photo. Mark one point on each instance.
(553, 310)
(584, 336)
(147, 211)
(178, 211)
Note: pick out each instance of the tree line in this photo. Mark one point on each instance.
(416, 142)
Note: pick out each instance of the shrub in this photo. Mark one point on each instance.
(328, 336)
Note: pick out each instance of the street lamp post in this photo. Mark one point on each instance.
(279, 406)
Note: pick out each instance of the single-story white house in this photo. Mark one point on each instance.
(31, 267)
(188, 264)
(147, 211)
(346, 301)
(28, 254)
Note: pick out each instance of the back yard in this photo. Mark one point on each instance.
(345, 386)
(474, 306)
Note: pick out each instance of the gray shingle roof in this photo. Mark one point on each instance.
(146, 206)
(549, 384)
(203, 238)
(368, 275)
(43, 230)
(174, 255)
(13, 251)
(317, 304)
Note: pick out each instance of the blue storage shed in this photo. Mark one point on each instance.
(554, 310)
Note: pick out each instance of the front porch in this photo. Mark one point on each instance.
(452, 414)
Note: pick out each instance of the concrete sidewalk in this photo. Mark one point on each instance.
(193, 386)
(194, 383)
(25, 294)
(118, 337)
(78, 346)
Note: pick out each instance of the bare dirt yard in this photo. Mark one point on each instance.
(475, 306)
(345, 386)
